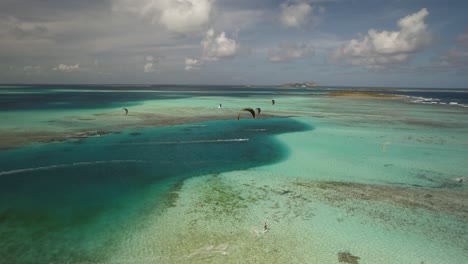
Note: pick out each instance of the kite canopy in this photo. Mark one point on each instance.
(126, 110)
(248, 109)
(258, 110)
(273, 102)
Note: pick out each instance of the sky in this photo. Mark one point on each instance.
(372, 43)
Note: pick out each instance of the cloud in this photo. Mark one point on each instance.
(181, 16)
(32, 69)
(21, 38)
(231, 20)
(21, 29)
(218, 47)
(298, 14)
(215, 47)
(186, 15)
(290, 51)
(67, 68)
(463, 38)
(149, 58)
(192, 64)
(150, 65)
(456, 57)
(380, 48)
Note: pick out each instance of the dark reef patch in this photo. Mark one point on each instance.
(434, 200)
(348, 258)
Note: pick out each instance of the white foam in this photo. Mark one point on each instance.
(424, 100)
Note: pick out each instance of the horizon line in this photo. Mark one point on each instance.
(245, 85)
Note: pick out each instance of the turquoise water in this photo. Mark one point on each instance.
(62, 201)
(377, 179)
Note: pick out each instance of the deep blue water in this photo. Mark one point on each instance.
(39, 97)
(439, 96)
(54, 196)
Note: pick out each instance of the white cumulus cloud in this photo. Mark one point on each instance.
(290, 51)
(192, 64)
(379, 48)
(181, 16)
(299, 14)
(186, 15)
(67, 68)
(216, 47)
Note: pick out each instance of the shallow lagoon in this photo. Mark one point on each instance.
(364, 180)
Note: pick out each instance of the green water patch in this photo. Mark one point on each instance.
(70, 201)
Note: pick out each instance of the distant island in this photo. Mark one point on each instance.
(304, 84)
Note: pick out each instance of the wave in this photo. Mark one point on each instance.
(429, 100)
(58, 166)
(457, 104)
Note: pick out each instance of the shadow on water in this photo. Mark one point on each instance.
(67, 202)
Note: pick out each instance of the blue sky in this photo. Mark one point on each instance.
(408, 43)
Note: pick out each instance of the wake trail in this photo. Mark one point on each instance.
(183, 142)
(58, 166)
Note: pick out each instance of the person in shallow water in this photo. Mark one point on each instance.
(265, 227)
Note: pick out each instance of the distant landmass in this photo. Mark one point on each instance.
(304, 84)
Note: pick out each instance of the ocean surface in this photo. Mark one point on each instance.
(179, 179)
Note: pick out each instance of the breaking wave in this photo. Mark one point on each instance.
(429, 100)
